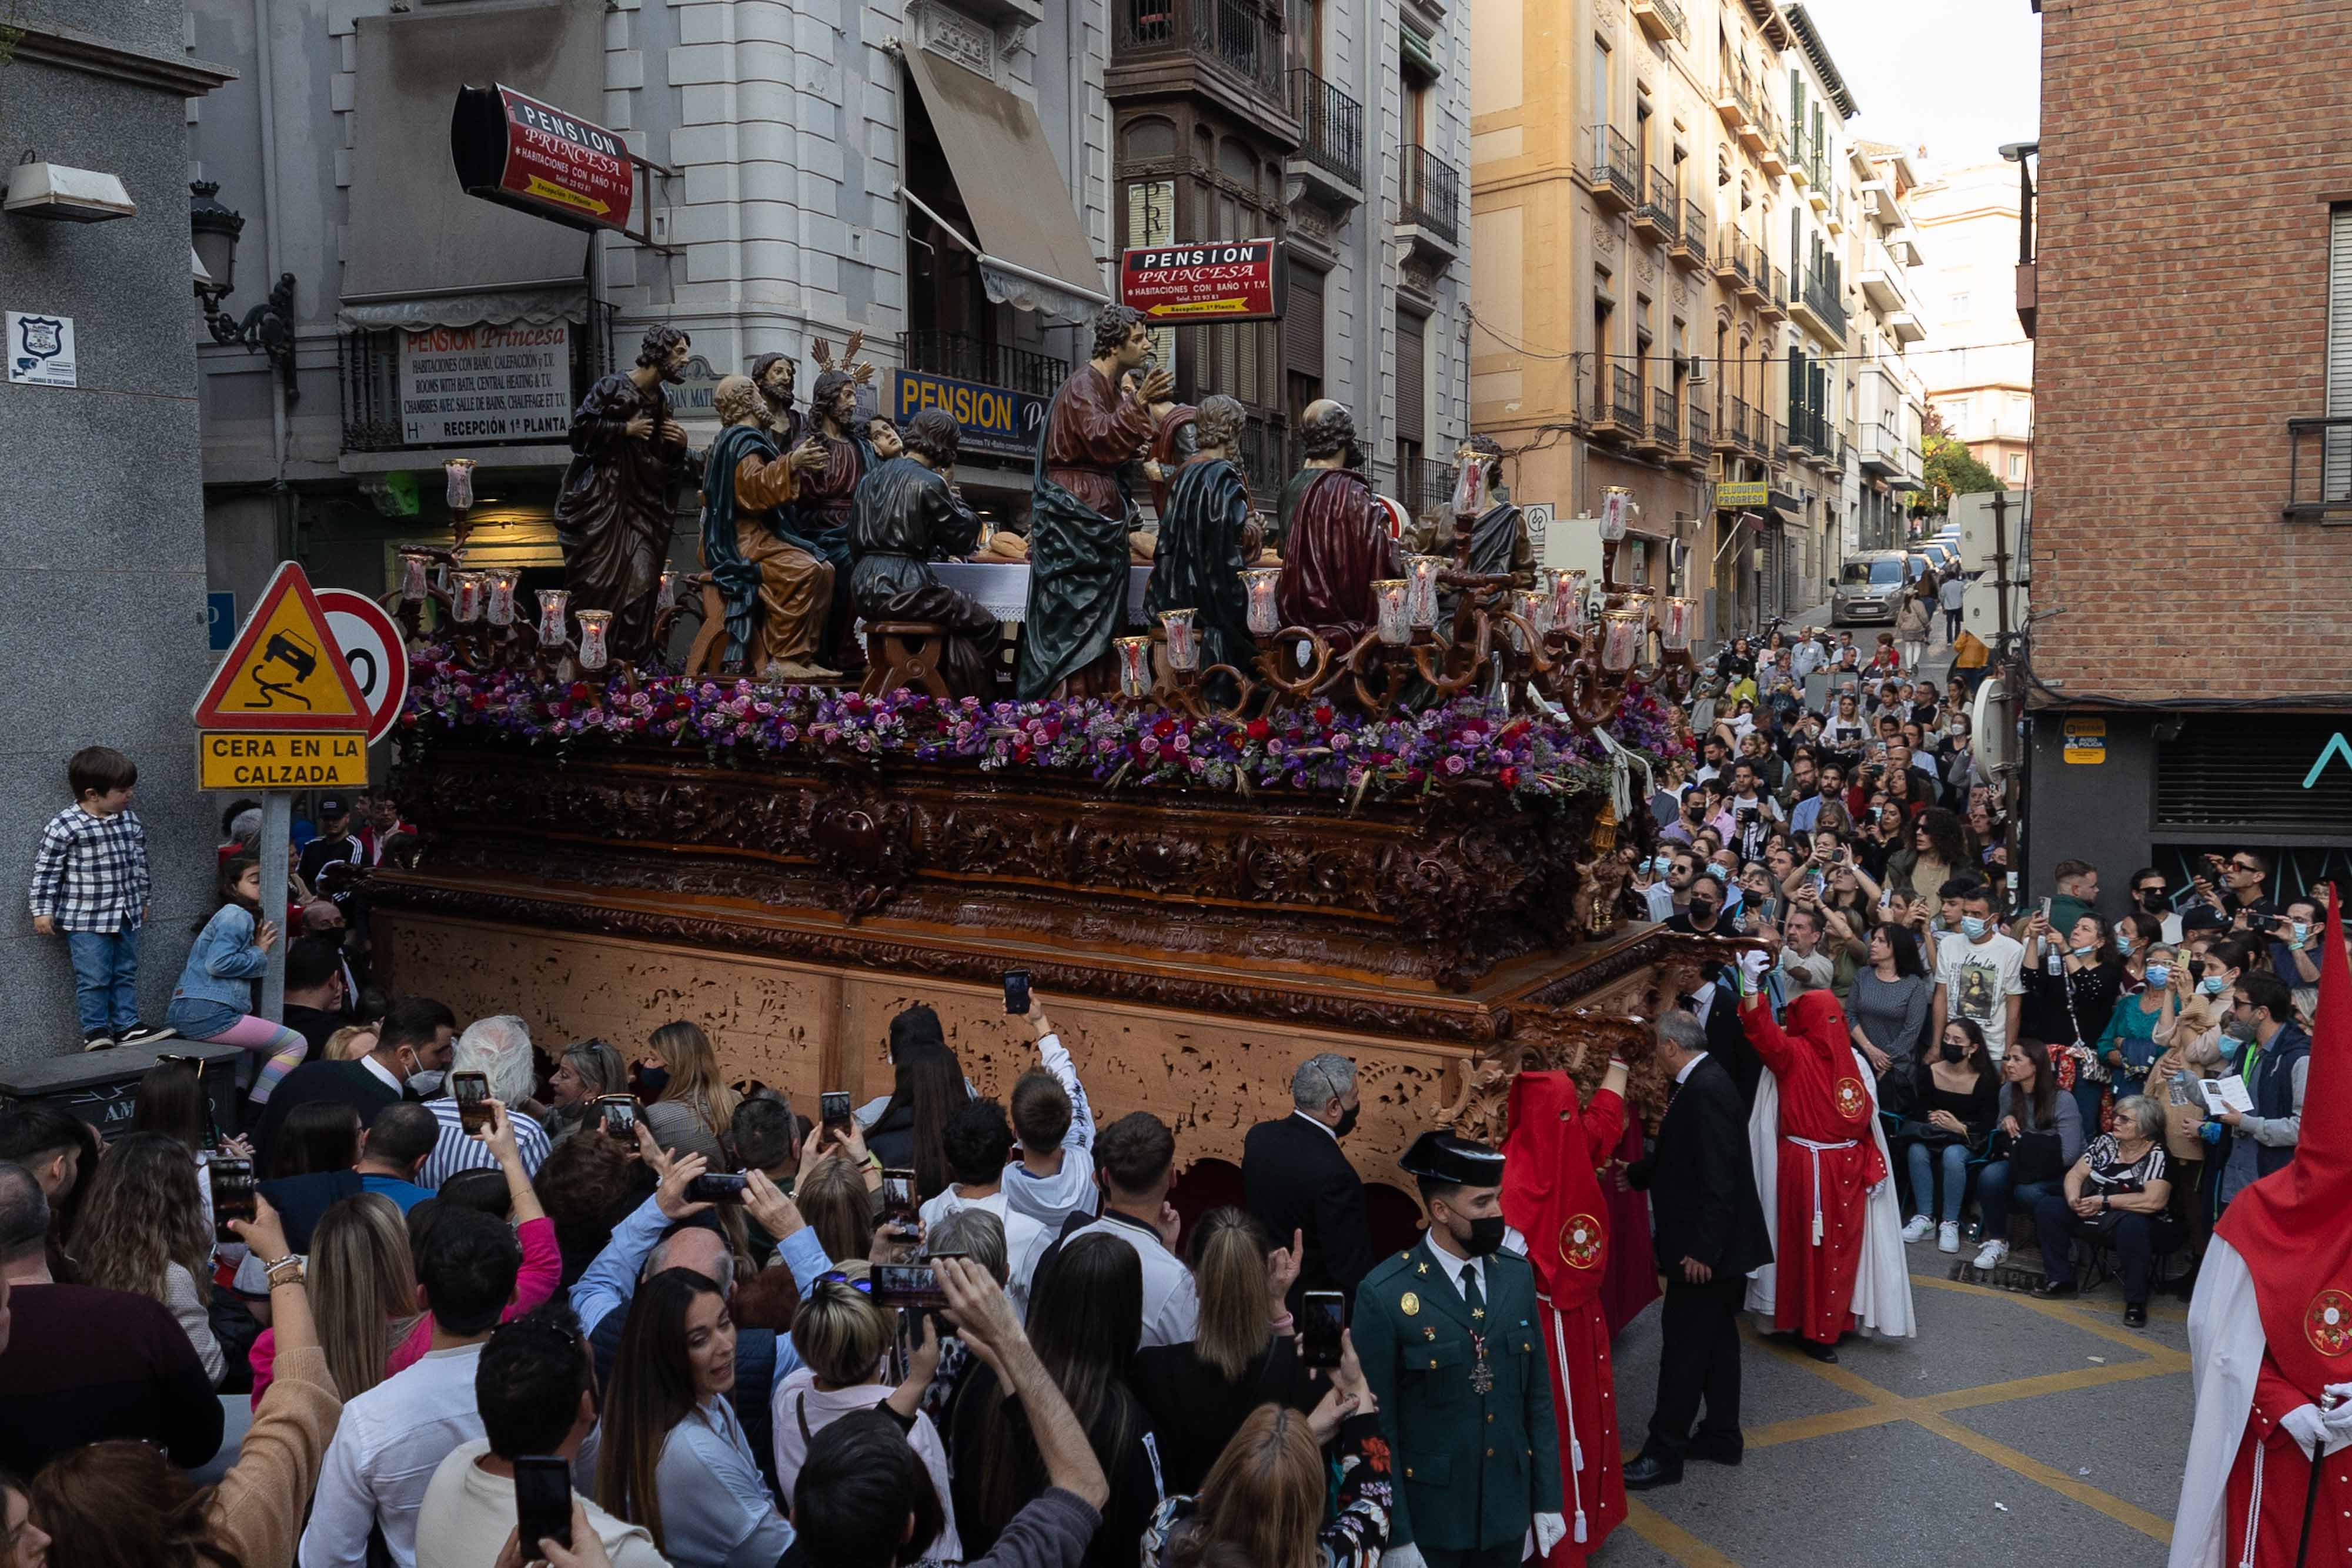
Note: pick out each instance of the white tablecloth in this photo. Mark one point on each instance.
(1002, 588)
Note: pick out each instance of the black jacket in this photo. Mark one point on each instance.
(352, 1083)
(1701, 1187)
(1196, 1409)
(1295, 1178)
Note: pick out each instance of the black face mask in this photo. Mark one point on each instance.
(1953, 1053)
(2154, 902)
(1346, 1122)
(1700, 908)
(1486, 1236)
(652, 1081)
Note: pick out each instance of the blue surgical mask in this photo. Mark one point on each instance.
(2086, 952)
(2124, 946)
(2301, 929)
(2160, 974)
(1972, 927)
(1663, 865)
(2211, 986)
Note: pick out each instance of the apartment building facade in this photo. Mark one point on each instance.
(1666, 238)
(1980, 381)
(952, 178)
(2198, 443)
(1889, 393)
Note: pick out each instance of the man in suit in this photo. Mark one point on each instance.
(1446, 1335)
(1296, 1183)
(413, 1039)
(1711, 1232)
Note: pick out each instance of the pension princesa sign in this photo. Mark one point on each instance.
(996, 420)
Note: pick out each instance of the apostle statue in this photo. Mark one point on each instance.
(613, 514)
(1206, 537)
(906, 515)
(1174, 439)
(777, 594)
(1078, 549)
(1338, 545)
(773, 374)
(830, 462)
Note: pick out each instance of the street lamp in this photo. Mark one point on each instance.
(268, 327)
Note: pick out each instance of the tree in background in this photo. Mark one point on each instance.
(1949, 467)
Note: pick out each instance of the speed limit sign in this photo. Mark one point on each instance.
(372, 648)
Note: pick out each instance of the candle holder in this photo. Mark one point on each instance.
(1391, 600)
(1421, 598)
(500, 605)
(1134, 667)
(1618, 510)
(552, 603)
(467, 596)
(1265, 616)
(1534, 608)
(665, 598)
(1621, 641)
(1674, 627)
(457, 489)
(1567, 601)
(594, 627)
(1183, 640)
(416, 576)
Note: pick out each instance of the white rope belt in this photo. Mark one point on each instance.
(1567, 1403)
(1816, 1150)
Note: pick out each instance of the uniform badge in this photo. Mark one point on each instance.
(2327, 1322)
(1581, 1242)
(1851, 1098)
(1409, 1304)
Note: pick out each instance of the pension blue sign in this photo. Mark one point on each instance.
(995, 420)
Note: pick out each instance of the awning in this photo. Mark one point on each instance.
(414, 236)
(1033, 254)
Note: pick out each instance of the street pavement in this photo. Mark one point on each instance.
(2011, 1430)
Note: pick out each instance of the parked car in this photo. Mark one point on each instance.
(1868, 586)
(1944, 553)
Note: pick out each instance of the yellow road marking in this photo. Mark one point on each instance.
(2057, 1480)
(1672, 1538)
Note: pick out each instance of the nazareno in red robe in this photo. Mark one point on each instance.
(1552, 1195)
(1827, 1163)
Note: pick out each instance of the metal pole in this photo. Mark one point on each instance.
(277, 842)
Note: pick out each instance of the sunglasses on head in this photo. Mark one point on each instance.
(836, 1277)
(163, 1058)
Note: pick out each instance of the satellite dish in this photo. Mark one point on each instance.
(1994, 727)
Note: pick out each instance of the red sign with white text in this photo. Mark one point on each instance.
(1210, 280)
(514, 150)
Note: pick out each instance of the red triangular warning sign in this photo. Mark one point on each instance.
(286, 671)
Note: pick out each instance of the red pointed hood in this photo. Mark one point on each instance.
(1817, 1017)
(2291, 1227)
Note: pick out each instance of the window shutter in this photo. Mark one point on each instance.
(1302, 324)
(1412, 382)
(2335, 461)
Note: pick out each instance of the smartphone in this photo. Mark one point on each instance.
(1016, 992)
(900, 1285)
(833, 1109)
(543, 1501)
(472, 1092)
(1323, 1317)
(717, 1187)
(619, 1114)
(233, 1195)
(899, 1194)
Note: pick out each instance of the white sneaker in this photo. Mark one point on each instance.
(1989, 1255)
(1919, 1229)
(1947, 1238)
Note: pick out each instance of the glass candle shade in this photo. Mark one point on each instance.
(415, 566)
(1534, 608)
(1621, 639)
(1420, 596)
(1470, 488)
(1390, 600)
(1681, 616)
(501, 599)
(1265, 616)
(1134, 666)
(1567, 600)
(552, 603)
(1618, 510)
(459, 473)
(1183, 638)
(666, 599)
(467, 594)
(594, 626)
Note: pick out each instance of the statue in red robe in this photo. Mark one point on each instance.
(1338, 544)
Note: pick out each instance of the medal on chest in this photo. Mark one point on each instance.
(1482, 1374)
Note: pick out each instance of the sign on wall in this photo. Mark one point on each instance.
(520, 152)
(464, 385)
(1729, 497)
(41, 351)
(995, 420)
(1209, 280)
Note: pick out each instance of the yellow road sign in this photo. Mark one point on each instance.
(274, 759)
(286, 671)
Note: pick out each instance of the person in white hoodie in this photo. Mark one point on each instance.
(979, 1142)
(1053, 1176)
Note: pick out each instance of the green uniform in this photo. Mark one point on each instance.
(1472, 1469)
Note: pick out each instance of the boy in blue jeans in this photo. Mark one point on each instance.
(90, 881)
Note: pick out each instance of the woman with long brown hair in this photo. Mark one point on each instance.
(362, 1290)
(2020, 1173)
(143, 1230)
(927, 1087)
(696, 1104)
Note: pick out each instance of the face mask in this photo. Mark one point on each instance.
(1972, 927)
(2301, 929)
(1701, 908)
(2124, 946)
(2160, 974)
(653, 1081)
(2210, 987)
(2237, 1028)
(1954, 1053)
(1486, 1236)
(2152, 902)
(1663, 865)
(2086, 952)
(1346, 1122)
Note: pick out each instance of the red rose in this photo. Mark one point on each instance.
(579, 691)
(1510, 777)
(1164, 728)
(1259, 729)
(408, 721)
(1323, 713)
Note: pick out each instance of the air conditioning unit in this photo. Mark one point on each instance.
(1974, 513)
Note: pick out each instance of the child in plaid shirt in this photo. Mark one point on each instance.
(90, 881)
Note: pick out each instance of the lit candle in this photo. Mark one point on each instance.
(460, 486)
(1134, 666)
(1621, 639)
(414, 564)
(1391, 596)
(1682, 615)
(593, 625)
(466, 596)
(1618, 510)
(1567, 600)
(1422, 596)
(1183, 641)
(502, 589)
(1470, 486)
(1265, 616)
(1534, 608)
(552, 603)
(666, 599)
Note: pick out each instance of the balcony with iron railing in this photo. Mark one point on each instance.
(1774, 154)
(1733, 100)
(1611, 171)
(1331, 128)
(1819, 309)
(1740, 423)
(1690, 241)
(1662, 20)
(2319, 470)
(1430, 194)
(1773, 284)
(1698, 430)
(1777, 446)
(1239, 41)
(1665, 421)
(1625, 399)
(970, 358)
(1653, 220)
(1426, 486)
(1735, 257)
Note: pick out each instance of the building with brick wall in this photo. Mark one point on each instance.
(953, 177)
(2188, 273)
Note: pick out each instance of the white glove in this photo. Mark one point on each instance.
(1752, 965)
(2338, 1421)
(1550, 1531)
(2306, 1426)
(1407, 1556)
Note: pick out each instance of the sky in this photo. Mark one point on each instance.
(1964, 76)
